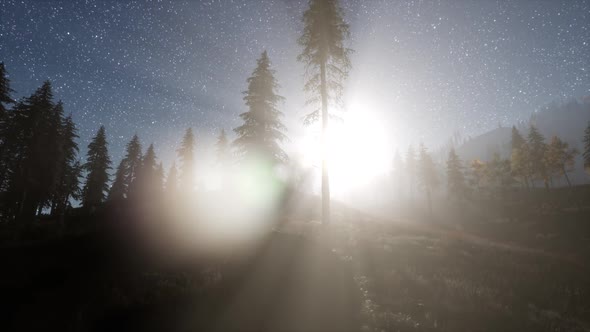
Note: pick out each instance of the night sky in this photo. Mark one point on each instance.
(426, 68)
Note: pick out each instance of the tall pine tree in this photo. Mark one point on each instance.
(146, 179)
(262, 131)
(5, 101)
(186, 152)
(5, 94)
(70, 169)
(149, 163)
(98, 164)
(127, 171)
(37, 154)
(34, 142)
(118, 189)
(327, 65)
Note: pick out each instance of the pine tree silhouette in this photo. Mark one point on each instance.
(70, 170)
(5, 101)
(5, 92)
(149, 162)
(127, 171)
(38, 153)
(117, 191)
(146, 180)
(33, 142)
(327, 65)
(98, 164)
(187, 159)
(262, 131)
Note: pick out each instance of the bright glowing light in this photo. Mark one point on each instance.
(358, 149)
(238, 203)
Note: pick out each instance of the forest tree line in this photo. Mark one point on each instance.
(41, 170)
(39, 155)
(533, 162)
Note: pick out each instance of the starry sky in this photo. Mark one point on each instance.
(427, 68)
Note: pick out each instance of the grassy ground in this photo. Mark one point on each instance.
(420, 282)
(398, 276)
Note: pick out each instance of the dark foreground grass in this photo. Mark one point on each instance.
(357, 275)
(94, 283)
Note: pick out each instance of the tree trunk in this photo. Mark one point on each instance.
(325, 176)
(567, 178)
(54, 208)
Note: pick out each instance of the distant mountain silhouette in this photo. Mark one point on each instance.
(566, 120)
(485, 145)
